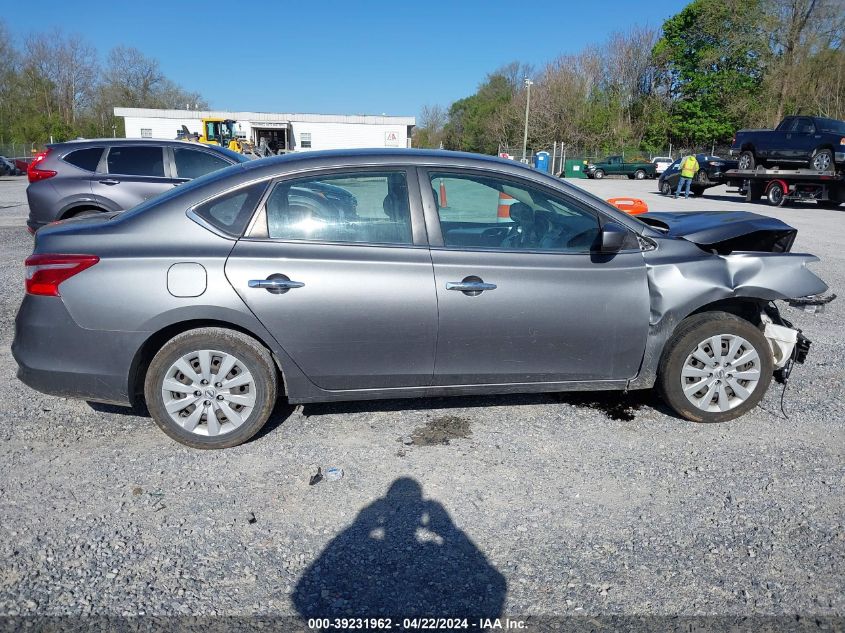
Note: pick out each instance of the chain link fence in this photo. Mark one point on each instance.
(20, 151)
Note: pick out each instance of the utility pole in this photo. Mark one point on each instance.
(528, 84)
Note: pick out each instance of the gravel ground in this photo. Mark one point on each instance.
(565, 505)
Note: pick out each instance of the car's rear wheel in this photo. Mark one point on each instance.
(211, 387)
(599, 174)
(639, 174)
(84, 212)
(716, 367)
(746, 160)
(666, 188)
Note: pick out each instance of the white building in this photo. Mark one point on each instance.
(297, 132)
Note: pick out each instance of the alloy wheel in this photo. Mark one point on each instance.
(821, 161)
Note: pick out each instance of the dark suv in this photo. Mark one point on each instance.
(100, 175)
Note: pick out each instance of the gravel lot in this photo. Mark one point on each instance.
(587, 504)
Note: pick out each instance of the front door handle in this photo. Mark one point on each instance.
(109, 181)
(276, 284)
(471, 286)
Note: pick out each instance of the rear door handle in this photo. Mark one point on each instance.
(468, 286)
(109, 181)
(276, 284)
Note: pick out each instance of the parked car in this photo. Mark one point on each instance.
(207, 301)
(711, 173)
(616, 166)
(661, 163)
(797, 141)
(8, 168)
(106, 175)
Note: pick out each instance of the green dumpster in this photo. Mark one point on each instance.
(574, 168)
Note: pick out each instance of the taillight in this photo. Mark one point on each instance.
(34, 173)
(45, 272)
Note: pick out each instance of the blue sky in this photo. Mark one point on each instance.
(338, 57)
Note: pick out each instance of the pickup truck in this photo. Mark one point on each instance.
(797, 141)
(616, 166)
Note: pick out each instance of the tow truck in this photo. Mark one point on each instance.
(779, 186)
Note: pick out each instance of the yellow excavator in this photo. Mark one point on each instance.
(218, 132)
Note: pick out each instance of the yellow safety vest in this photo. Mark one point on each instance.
(689, 167)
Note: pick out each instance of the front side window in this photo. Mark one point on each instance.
(191, 163)
(488, 212)
(231, 212)
(364, 207)
(136, 161)
(805, 126)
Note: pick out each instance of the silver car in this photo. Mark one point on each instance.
(398, 273)
(105, 175)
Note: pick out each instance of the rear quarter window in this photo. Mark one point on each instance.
(231, 212)
(86, 159)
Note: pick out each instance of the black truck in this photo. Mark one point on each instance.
(798, 141)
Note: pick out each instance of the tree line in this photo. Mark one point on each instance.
(54, 86)
(715, 67)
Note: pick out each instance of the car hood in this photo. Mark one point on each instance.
(725, 231)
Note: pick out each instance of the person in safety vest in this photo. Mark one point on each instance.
(689, 168)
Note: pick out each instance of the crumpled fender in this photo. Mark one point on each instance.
(679, 285)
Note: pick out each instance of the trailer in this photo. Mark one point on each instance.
(779, 186)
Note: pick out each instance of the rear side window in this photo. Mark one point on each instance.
(193, 164)
(366, 207)
(231, 212)
(86, 159)
(137, 161)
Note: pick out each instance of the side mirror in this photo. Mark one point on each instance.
(612, 238)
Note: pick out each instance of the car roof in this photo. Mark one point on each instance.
(359, 157)
(82, 142)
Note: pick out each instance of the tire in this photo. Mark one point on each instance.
(598, 174)
(697, 191)
(746, 160)
(693, 335)
(822, 160)
(82, 213)
(221, 346)
(639, 174)
(775, 195)
(666, 188)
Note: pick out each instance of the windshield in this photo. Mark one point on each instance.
(831, 125)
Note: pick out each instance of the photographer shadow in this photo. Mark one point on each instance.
(403, 557)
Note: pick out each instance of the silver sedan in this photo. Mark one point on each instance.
(396, 273)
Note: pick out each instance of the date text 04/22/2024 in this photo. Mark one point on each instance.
(417, 624)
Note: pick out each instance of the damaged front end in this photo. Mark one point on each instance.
(736, 262)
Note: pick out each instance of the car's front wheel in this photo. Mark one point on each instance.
(822, 160)
(211, 387)
(716, 367)
(599, 174)
(665, 188)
